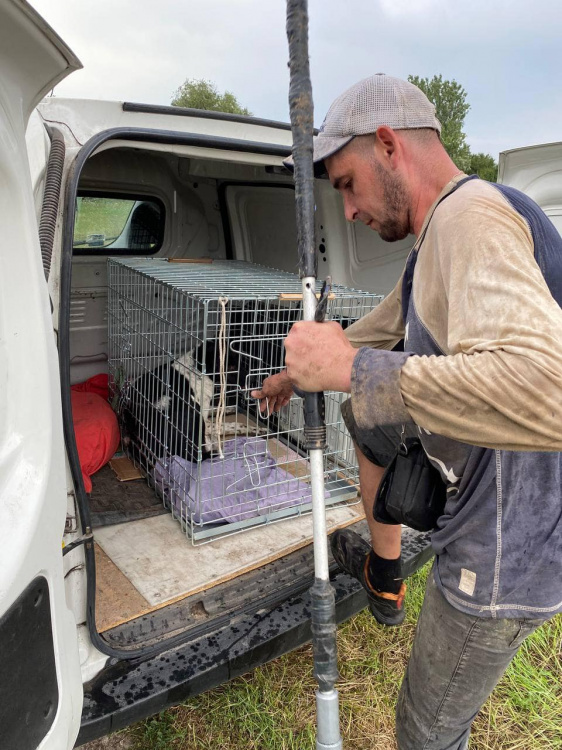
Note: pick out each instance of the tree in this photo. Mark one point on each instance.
(451, 108)
(484, 166)
(201, 94)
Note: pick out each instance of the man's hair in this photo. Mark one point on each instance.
(423, 136)
(364, 143)
(420, 136)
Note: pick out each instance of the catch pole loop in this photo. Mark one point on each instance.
(322, 593)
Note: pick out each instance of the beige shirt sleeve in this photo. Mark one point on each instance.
(500, 385)
(383, 327)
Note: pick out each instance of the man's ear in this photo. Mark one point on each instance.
(387, 145)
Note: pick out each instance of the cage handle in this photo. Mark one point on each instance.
(297, 296)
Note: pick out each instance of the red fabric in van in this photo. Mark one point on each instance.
(96, 430)
(97, 384)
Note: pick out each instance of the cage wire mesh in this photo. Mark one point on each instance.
(188, 342)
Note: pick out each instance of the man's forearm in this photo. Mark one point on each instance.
(492, 399)
(495, 399)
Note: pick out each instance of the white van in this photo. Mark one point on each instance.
(79, 660)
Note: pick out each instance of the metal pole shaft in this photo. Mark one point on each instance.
(321, 593)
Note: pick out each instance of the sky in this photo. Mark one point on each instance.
(506, 54)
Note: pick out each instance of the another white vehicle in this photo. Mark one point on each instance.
(167, 183)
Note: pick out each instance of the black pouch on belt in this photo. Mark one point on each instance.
(411, 490)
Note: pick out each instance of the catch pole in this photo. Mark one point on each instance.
(322, 593)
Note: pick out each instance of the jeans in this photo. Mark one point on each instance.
(456, 661)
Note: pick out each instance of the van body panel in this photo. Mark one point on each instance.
(32, 459)
(84, 118)
(537, 172)
(33, 57)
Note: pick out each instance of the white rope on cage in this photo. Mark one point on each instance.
(223, 301)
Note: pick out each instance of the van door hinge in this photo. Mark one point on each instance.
(88, 537)
(70, 524)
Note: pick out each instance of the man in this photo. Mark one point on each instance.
(479, 381)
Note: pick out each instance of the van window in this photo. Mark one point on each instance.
(118, 224)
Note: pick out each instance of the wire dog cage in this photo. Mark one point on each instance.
(188, 342)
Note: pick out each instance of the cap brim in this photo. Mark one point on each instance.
(324, 146)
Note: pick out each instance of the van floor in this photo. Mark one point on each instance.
(114, 501)
(148, 564)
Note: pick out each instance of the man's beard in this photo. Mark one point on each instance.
(395, 225)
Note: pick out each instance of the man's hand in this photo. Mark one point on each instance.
(319, 357)
(276, 391)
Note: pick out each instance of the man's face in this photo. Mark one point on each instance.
(371, 192)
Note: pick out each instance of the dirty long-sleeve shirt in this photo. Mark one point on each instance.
(481, 377)
(481, 294)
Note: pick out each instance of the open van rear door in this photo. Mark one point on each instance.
(40, 682)
(537, 172)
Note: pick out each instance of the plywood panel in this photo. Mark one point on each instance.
(117, 600)
(163, 566)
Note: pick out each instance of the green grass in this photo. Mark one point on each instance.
(525, 712)
(105, 216)
(273, 707)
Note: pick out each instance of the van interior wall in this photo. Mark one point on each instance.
(195, 195)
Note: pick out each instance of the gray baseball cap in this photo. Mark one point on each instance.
(374, 101)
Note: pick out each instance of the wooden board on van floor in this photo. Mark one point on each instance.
(162, 566)
(114, 593)
(124, 469)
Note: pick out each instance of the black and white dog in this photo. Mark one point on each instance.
(169, 410)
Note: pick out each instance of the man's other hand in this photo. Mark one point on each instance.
(276, 392)
(319, 357)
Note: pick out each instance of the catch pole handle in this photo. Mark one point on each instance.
(314, 403)
(322, 596)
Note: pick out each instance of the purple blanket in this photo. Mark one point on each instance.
(246, 483)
